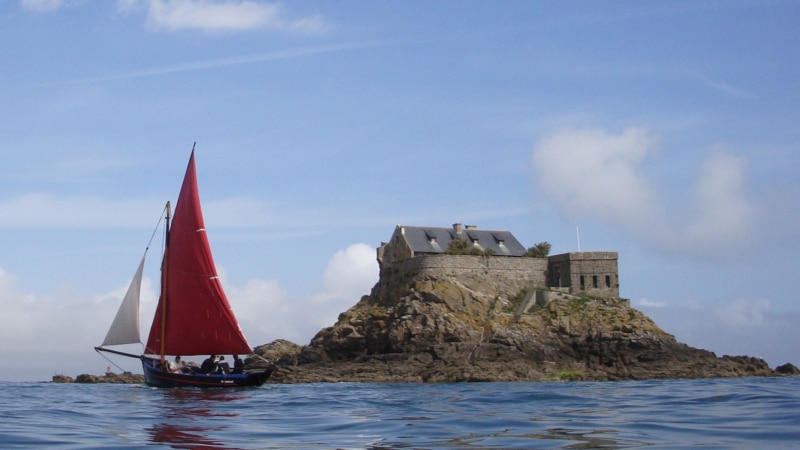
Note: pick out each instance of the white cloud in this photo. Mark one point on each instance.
(49, 210)
(647, 303)
(284, 219)
(45, 335)
(723, 87)
(592, 172)
(721, 212)
(262, 307)
(224, 62)
(45, 210)
(596, 174)
(349, 274)
(215, 16)
(743, 313)
(42, 5)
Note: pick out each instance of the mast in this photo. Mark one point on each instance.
(164, 266)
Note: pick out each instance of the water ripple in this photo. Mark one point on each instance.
(723, 413)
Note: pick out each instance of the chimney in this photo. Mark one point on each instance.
(471, 227)
(457, 228)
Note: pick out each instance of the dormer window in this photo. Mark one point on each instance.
(431, 237)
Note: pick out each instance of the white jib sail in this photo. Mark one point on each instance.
(125, 328)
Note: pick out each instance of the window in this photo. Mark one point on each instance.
(431, 237)
(594, 281)
(556, 276)
(583, 283)
(608, 281)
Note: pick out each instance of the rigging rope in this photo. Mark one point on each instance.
(152, 236)
(110, 361)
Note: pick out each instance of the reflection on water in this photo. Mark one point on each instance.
(183, 436)
(188, 413)
(586, 439)
(193, 396)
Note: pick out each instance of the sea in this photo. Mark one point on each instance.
(710, 414)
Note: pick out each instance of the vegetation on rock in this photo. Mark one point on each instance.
(540, 250)
(462, 247)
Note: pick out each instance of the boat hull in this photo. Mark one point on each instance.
(154, 376)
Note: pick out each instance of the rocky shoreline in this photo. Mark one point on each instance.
(458, 328)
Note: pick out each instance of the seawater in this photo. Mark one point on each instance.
(716, 413)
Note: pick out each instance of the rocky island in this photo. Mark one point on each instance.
(451, 328)
(463, 304)
(487, 309)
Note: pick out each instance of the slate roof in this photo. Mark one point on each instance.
(436, 240)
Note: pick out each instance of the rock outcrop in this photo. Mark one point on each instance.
(109, 377)
(457, 327)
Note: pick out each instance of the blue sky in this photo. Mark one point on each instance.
(666, 131)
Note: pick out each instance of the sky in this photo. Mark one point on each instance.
(665, 131)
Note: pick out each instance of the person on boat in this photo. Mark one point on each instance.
(222, 366)
(209, 365)
(238, 364)
(176, 366)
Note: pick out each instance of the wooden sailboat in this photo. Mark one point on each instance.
(193, 316)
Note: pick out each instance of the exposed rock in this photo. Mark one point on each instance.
(109, 377)
(281, 352)
(62, 379)
(461, 328)
(788, 369)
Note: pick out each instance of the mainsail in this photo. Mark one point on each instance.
(193, 316)
(125, 327)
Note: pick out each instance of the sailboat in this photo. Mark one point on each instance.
(193, 316)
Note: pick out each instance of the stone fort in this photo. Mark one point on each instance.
(422, 250)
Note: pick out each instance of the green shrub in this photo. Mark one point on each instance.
(462, 247)
(570, 375)
(540, 250)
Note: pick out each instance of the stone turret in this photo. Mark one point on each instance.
(589, 273)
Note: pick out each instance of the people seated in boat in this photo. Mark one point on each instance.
(238, 364)
(223, 366)
(176, 366)
(209, 365)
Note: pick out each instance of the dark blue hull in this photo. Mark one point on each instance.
(154, 376)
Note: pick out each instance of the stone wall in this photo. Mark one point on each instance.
(512, 270)
(589, 273)
(592, 273)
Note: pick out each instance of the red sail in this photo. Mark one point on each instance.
(199, 319)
